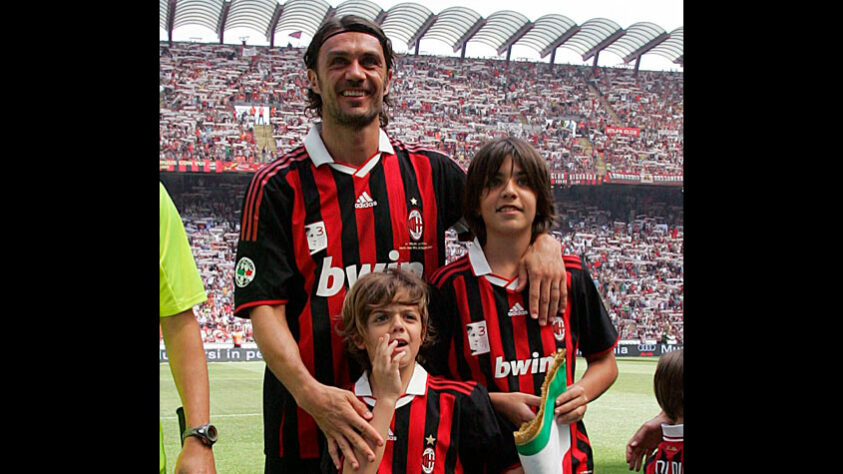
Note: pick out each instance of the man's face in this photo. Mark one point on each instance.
(352, 79)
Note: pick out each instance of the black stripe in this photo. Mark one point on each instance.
(345, 199)
(402, 433)
(384, 240)
(477, 312)
(432, 418)
(507, 334)
(323, 369)
(411, 191)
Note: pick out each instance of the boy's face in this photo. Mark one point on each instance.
(508, 204)
(401, 320)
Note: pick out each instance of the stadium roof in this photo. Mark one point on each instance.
(410, 22)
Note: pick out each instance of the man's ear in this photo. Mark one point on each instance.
(387, 82)
(314, 81)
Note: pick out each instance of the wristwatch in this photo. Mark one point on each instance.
(207, 434)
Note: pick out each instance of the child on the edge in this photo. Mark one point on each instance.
(425, 420)
(668, 383)
(484, 331)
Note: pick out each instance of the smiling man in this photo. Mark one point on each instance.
(350, 200)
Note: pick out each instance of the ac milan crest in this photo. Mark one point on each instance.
(559, 328)
(415, 224)
(428, 458)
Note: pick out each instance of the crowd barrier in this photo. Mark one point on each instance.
(247, 354)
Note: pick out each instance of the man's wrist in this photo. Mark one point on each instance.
(305, 392)
(193, 441)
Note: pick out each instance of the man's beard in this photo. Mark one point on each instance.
(360, 120)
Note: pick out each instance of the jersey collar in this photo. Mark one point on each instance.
(417, 386)
(481, 267)
(319, 154)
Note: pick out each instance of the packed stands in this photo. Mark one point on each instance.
(602, 122)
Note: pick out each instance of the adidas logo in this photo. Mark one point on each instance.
(365, 201)
(517, 310)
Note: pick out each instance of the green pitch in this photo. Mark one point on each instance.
(236, 392)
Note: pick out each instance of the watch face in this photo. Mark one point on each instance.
(212, 432)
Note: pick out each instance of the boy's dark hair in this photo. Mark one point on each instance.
(485, 164)
(336, 25)
(669, 384)
(376, 290)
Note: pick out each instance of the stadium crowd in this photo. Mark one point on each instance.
(583, 119)
(632, 245)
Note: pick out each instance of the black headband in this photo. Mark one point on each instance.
(350, 30)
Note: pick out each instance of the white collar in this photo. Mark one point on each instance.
(417, 386)
(319, 154)
(673, 432)
(481, 267)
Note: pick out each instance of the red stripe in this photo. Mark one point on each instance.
(440, 383)
(495, 345)
(365, 224)
(570, 349)
(251, 212)
(424, 177)
(443, 434)
(597, 355)
(442, 274)
(576, 453)
(308, 442)
(386, 461)
(572, 260)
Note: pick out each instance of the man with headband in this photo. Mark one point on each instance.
(350, 200)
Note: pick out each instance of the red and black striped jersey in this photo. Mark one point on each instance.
(669, 458)
(484, 332)
(442, 426)
(310, 226)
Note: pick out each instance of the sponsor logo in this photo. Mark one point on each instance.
(516, 367)
(390, 436)
(517, 310)
(415, 224)
(244, 272)
(333, 279)
(365, 201)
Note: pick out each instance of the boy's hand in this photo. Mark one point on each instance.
(515, 406)
(571, 405)
(385, 369)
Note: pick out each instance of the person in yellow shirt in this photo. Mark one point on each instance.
(180, 288)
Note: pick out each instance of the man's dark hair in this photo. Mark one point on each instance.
(342, 24)
(485, 165)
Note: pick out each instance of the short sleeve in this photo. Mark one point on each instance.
(265, 260)
(180, 285)
(483, 434)
(597, 333)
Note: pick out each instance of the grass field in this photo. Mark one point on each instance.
(236, 390)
